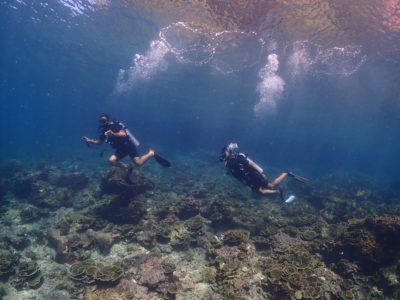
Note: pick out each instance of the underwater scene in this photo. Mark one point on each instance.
(199, 149)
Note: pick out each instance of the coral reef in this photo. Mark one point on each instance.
(8, 262)
(72, 247)
(31, 214)
(219, 212)
(157, 275)
(90, 271)
(235, 237)
(15, 236)
(180, 237)
(235, 261)
(297, 273)
(187, 208)
(68, 233)
(73, 180)
(27, 276)
(370, 242)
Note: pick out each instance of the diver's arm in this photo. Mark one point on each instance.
(120, 133)
(92, 141)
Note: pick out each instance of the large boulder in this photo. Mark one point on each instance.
(121, 209)
(118, 181)
(122, 202)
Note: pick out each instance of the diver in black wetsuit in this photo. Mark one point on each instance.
(119, 137)
(248, 172)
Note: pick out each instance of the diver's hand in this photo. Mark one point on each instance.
(108, 133)
(87, 140)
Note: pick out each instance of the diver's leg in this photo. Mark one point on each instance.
(277, 180)
(140, 160)
(271, 192)
(114, 161)
(268, 191)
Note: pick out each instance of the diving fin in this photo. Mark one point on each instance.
(162, 161)
(297, 177)
(290, 199)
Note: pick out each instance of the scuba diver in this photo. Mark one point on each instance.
(251, 174)
(118, 136)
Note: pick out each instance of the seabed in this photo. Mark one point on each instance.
(190, 232)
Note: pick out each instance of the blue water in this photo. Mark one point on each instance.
(312, 88)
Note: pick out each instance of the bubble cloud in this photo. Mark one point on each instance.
(305, 57)
(79, 7)
(232, 51)
(144, 66)
(226, 52)
(270, 88)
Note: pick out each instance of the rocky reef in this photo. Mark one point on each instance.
(194, 234)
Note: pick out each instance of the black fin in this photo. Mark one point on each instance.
(162, 161)
(299, 178)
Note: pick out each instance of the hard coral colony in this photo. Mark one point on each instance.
(72, 235)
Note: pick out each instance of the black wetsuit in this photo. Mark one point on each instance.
(123, 144)
(239, 166)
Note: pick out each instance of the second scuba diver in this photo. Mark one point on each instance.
(251, 174)
(119, 137)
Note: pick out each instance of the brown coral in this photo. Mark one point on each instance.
(372, 242)
(90, 271)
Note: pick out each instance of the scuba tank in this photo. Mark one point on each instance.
(257, 167)
(130, 135)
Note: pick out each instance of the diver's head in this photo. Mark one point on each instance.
(228, 151)
(104, 119)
